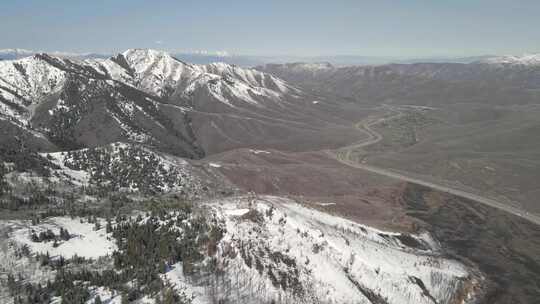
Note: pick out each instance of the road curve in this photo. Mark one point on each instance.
(345, 158)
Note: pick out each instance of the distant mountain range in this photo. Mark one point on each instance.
(251, 60)
(11, 54)
(493, 80)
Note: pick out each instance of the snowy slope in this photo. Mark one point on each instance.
(250, 77)
(158, 73)
(143, 96)
(24, 82)
(275, 249)
(84, 242)
(125, 167)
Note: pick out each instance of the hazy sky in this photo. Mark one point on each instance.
(412, 28)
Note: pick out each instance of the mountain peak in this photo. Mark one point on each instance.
(149, 55)
(149, 58)
(145, 52)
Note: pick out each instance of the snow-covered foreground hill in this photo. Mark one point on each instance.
(277, 249)
(118, 168)
(274, 250)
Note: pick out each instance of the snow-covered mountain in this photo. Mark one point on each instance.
(148, 96)
(154, 72)
(157, 72)
(26, 81)
(74, 106)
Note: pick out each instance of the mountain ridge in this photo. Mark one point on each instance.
(148, 96)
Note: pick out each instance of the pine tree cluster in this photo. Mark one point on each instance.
(127, 167)
(147, 248)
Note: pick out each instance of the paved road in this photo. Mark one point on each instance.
(343, 155)
(374, 137)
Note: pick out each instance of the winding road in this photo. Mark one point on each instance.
(343, 155)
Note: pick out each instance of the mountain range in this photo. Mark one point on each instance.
(150, 97)
(205, 57)
(228, 184)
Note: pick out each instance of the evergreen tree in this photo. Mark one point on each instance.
(97, 224)
(11, 283)
(4, 186)
(125, 299)
(108, 226)
(97, 300)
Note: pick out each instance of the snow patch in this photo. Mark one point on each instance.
(259, 151)
(326, 204)
(176, 276)
(107, 295)
(214, 165)
(84, 242)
